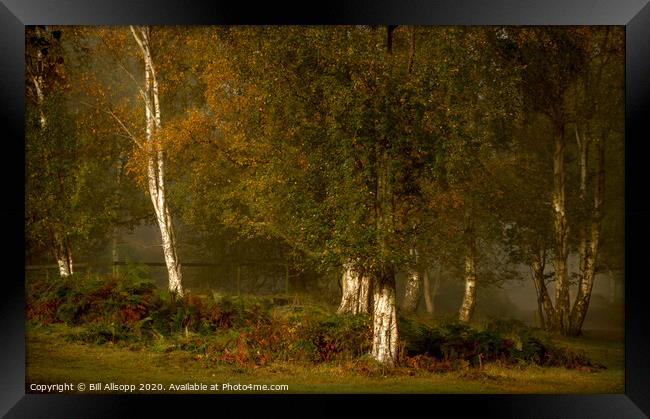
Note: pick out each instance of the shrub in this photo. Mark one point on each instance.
(340, 337)
(94, 298)
(502, 340)
(253, 331)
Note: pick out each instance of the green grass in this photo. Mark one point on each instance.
(50, 359)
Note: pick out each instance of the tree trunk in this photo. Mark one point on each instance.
(62, 254)
(60, 243)
(413, 291)
(116, 230)
(469, 298)
(156, 164)
(356, 291)
(544, 304)
(434, 288)
(583, 147)
(428, 298)
(562, 303)
(588, 266)
(385, 335)
(413, 288)
(384, 341)
(114, 254)
(64, 263)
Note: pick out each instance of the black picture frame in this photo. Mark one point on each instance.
(633, 14)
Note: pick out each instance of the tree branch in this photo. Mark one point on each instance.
(129, 134)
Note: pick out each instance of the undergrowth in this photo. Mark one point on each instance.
(253, 331)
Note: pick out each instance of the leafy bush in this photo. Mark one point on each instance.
(94, 298)
(339, 337)
(257, 330)
(501, 340)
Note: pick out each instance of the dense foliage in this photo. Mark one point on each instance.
(257, 330)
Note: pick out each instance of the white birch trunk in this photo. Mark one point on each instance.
(356, 291)
(62, 251)
(469, 297)
(64, 270)
(384, 343)
(62, 254)
(156, 164)
(592, 243)
(385, 335)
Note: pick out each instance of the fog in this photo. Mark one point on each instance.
(514, 299)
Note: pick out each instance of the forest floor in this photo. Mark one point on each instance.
(51, 359)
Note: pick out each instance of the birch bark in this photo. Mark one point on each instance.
(356, 290)
(562, 303)
(384, 341)
(61, 248)
(589, 255)
(469, 298)
(156, 163)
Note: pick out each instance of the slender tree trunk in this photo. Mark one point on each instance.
(562, 303)
(116, 231)
(437, 281)
(64, 269)
(356, 291)
(544, 303)
(583, 147)
(61, 253)
(60, 243)
(469, 298)
(64, 261)
(384, 341)
(413, 291)
(538, 281)
(413, 288)
(156, 164)
(114, 254)
(588, 267)
(428, 298)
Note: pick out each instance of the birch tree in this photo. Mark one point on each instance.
(130, 53)
(562, 108)
(72, 197)
(599, 99)
(335, 133)
(554, 58)
(44, 77)
(155, 159)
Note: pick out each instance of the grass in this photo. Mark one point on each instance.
(51, 359)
